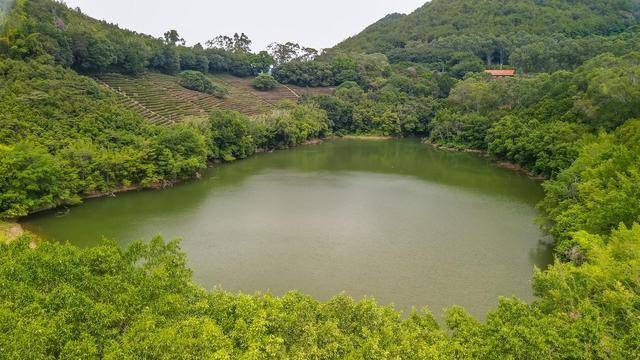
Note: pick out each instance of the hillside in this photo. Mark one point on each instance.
(160, 99)
(141, 69)
(442, 18)
(490, 29)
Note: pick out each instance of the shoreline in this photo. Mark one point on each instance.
(498, 162)
(197, 176)
(366, 137)
(11, 231)
(151, 187)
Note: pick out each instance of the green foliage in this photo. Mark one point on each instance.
(141, 304)
(339, 112)
(544, 148)
(240, 64)
(197, 81)
(305, 73)
(398, 105)
(31, 179)
(59, 300)
(609, 90)
(539, 122)
(231, 136)
(166, 59)
(459, 130)
(63, 135)
(36, 28)
(290, 125)
(462, 36)
(180, 150)
(264, 82)
(600, 189)
(557, 52)
(193, 58)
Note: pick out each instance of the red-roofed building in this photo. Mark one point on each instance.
(501, 73)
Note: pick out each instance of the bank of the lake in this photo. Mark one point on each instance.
(397, 220)
(10, 231)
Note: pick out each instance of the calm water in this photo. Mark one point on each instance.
(396, 220)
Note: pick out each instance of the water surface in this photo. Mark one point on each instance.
(396, 220)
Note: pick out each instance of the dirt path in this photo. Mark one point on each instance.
(290, 89)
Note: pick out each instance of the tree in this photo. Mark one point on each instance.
(230, 136)
(307, 54)
(172, 37)
(238, 43)
(166, 59)
(197, 81)
(32, 179)
(132, 57)
(599, 190)
(283, 53)
(264, 82)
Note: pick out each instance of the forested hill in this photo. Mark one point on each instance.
(496, 27)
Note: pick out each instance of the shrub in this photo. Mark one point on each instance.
(264, 82)
(197, 81)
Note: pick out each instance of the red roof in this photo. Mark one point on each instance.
(510, 72)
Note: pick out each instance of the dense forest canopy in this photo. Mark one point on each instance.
(443, 18)
(574, 120)
(499, 32)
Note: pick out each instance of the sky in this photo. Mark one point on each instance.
(314, 23)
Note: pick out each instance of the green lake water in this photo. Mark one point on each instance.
(396, 220)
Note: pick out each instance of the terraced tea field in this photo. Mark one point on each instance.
(162, 100)
(281, 92)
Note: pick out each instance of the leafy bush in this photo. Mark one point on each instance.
(264, 82)
(195, 80)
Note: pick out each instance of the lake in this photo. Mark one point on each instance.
(396, 220)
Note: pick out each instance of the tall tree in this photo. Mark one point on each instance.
(239, 43)
(172, 37)
(283, 53)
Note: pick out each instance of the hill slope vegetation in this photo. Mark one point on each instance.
(497, 32)
(74, 95)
